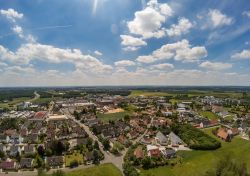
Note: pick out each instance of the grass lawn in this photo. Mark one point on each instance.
(196, 163)
(112, 116)
(75, 156)
(209, 115)
(101, 170)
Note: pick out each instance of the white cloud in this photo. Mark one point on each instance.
(11, 14)
(180, 51)
(216, 66)
(124, 63)
(19, 69)
(182, 27)
(245, 54)
(148, 22)
(128, 40)
(146, 59)
(2, 64)
(130, 48)
(247, 13)
(18, 30)
(98, 53)
(51, 54)
(163, 66)
(218, 19)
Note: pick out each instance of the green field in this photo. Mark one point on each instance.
(209, 115)
(112, 116)
(101, 170)
(14, 102)
(196, 163)
(136, 93)
(193, 93)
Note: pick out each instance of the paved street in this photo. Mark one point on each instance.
(108, 157)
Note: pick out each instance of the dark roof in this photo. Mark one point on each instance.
(55, 161)
(26, 162)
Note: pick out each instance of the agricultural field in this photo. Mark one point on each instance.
(112, 116)
(196, 163)
(189, 94)
(100, 170)
(136, 93)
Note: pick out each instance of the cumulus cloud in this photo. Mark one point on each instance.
(148, 22)
(180, 51)
(125, 63)
(216, 66)
(130, 41)
(48, 53)
(98, 53)
(164, 66)
(183, 27)
(217, 19)
(146, 59)
(245, 54)
(246, 13)
(11, 14)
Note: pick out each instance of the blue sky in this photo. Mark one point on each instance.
(124, 42)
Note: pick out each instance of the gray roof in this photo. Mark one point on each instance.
(161, 137)
(175, 139)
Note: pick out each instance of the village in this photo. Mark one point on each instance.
(130, 131)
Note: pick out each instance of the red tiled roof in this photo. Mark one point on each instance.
(40, 114)
(222, 133)
(154, 152)
(138, 153)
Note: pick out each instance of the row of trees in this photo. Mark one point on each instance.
(195, 138)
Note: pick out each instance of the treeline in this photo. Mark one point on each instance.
(10, 94)
(195, 138)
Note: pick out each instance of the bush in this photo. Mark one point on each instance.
(73, 164)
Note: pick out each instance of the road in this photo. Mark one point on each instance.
(108, 157)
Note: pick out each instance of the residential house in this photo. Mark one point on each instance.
(138, 152)
(55, 161)
(8, 165)
(29, 149)
(40, 116)
(89, 157)
(161, 138)
(26, 163)
(175, 140)
(153, 151)
(223, 134)
(170, 153)
(14, 150)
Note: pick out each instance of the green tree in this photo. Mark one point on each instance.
(106, 144)
(146, 162)
(96, 145)
(96, 156)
